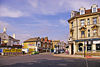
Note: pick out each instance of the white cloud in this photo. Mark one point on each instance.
(52, 7)
(64, 22)
(9, 12)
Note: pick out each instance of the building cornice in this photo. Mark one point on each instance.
(85, 15)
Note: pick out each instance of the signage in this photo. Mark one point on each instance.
(13, 50)
(96, 42)
(31, 50)
(19, 50)
(6, 50)
(1, 50)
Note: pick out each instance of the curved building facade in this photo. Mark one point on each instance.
(84, 28)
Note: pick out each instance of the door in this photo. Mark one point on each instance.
(72, 49)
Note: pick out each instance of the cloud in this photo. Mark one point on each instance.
(53, 7)
(9, 12)
(64, 22)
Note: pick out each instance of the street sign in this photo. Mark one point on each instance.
(1, 50)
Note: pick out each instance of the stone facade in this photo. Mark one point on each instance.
(85, 31)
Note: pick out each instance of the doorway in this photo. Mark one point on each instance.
(72, 49)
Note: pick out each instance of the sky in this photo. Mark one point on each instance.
(39, 18)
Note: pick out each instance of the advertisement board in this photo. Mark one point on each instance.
(13, 50)
(6, 50)
(18, 50)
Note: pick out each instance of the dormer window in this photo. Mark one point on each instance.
(73, 13)
(82, 11)
(94, 8)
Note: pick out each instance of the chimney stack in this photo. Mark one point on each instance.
(14, 35)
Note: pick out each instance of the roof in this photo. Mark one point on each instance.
(32, 39)
(13, 38)
(55, 40)
(87, 12)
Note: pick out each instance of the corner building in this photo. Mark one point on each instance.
(84, 28)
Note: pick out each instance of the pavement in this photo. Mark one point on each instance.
(76, 56)
(46, 60)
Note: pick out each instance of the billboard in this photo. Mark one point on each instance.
(6, 50)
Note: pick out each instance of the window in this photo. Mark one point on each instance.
(89, 47)
(97, 46)
(72, 24)
(88, 33)
(82, 12)
(88, 21)
(82, 22)
(94, 20)
(72, 14)
(82, 33)
(72, 34)
(94, 10)
(94, 32)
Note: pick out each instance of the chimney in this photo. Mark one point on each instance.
(14, 35)
(4, 29)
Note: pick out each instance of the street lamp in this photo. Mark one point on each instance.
(85, 42)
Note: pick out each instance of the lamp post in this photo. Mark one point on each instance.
(85, 42)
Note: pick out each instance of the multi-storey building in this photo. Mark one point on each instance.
(85, 31)
(38, 44)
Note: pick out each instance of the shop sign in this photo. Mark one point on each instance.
(13, 50)
(1, 50)
(19, 50)
(30, 50)
(96, 42)
(6, 50)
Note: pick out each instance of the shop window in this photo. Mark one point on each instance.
(89, 47)
(97, 46)
(80, 47)
(82, 22)
(95, 20)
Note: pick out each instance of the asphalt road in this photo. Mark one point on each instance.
(46, 60)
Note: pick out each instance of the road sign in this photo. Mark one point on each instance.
(1, 50)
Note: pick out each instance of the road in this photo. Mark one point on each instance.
(46, 60)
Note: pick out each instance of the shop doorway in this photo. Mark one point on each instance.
(72, 49)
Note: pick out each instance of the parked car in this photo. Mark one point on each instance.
(34, 52)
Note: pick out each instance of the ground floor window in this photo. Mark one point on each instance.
(80, 46)
(89, 47)
(97, 46)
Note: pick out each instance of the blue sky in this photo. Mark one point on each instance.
(33, 18)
